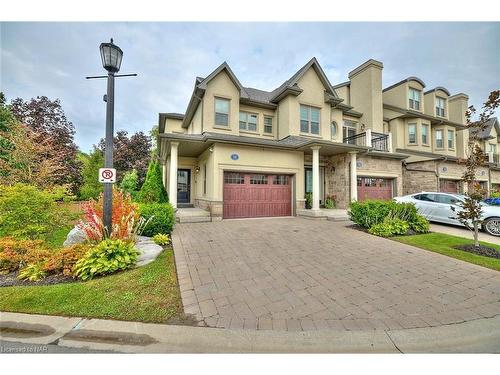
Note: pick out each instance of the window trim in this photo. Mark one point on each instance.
(413, 124)
(419, 101)
(309, 118)
(264, 125)
(436, 139)
(436, 108)
(228, 126)
(427, 126)
(452, 139)
(248, 114)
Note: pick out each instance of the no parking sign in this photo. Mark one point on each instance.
(107, 175)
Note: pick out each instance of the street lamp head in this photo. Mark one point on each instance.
(111, 56)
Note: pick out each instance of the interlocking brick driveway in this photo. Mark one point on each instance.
(298, 274)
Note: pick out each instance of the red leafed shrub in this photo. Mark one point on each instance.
(125, 218)
(63, 260)
(15, 254)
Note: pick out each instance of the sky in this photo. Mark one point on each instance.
(53, 59)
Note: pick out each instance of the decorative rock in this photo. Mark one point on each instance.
(75, 236)
(149, 251)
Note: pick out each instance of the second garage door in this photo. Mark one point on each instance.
(256, 195)
(374, 188)
(448, 186)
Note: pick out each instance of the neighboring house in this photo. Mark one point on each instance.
(244, 152)
(489, 139)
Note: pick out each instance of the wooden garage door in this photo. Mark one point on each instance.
(448, 186)
(374, 188)
(256, 195)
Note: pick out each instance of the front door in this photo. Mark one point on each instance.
(183, 185)
(309, 182)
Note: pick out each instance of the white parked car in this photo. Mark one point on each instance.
(438, 207)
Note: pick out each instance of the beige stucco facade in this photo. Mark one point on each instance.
(363, 133)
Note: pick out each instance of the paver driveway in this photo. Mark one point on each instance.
(298, 274)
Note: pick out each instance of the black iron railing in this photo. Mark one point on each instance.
(380, 141)
(358, 139)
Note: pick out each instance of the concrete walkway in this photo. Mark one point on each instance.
(296, 274)
(478, 336)
(463, 232)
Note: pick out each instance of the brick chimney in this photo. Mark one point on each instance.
(366, 94)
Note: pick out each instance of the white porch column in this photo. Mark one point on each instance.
(315, 177)
(172, 180)
(389, 142)
(353, 177)
(164, 174)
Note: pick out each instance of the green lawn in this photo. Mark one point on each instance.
(444, 243)
(147, 294)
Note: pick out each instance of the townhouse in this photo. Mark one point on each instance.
(239, 151)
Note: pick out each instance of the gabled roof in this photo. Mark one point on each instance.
(291, 83)
(224, 66)
(486, 131)
(412, 78)
(436, 89)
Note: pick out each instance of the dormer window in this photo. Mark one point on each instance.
(414, 99)
(440, 106)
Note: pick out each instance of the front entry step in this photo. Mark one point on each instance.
(192, 215)
(334, 214)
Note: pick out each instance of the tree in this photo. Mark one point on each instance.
(130, 153)
(47, 120)
(470, 214)
(129, 183)
(91, 187)
(153, 191)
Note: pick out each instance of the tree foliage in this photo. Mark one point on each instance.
(153, 191)
(91, 187)
(470, 215)
(130, 183)
(130, 153)
(47, 120)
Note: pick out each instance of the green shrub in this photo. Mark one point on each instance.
(420, 225)
(106, 257)
(381, 230)
(129, 183)
(369, 212)
(495, 194)
(153, 191)
(390, 227)
(309, 200)
(161, 239)
(91, 187)
(330, 202)
(160, 218)
(32, 272)
(29, 213)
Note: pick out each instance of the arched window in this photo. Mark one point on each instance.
(333, 130)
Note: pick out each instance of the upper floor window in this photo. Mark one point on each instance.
(451, 139)
(348, 131)
(268, 125)
(309, 119)
(440, 106)
(221, 112)
(439, 139)
(414, 99)
(425, 134)
(493, 148)
(333, 130)
(248, 121)
(412, 134)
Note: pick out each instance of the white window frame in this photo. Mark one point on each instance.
(440, 110)
(440, 131)
(222, 113)
(246, 122)
(414, 126)
(267, 125)
(425, 126)
(309, 119)
(452, 132)
(411, 98)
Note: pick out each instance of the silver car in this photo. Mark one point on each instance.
(438, 207)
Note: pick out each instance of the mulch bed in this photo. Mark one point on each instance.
(481, 250)
(10, 279)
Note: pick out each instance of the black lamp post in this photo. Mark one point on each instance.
(111, 56)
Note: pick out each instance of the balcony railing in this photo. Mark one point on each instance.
(377, 141)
